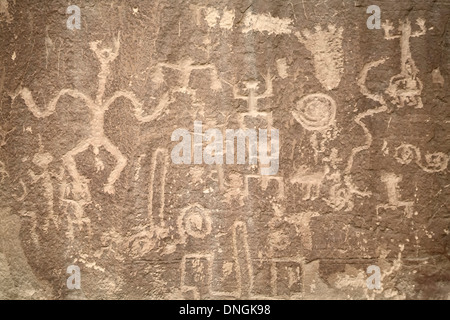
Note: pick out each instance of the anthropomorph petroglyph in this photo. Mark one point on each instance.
(408, 95)
(435, 162)
(391, 181)
(98, 107)
(252, 101)
(185, 67)
(405, 88)
(326, 47)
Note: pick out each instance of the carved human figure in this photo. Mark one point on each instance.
(97, 107)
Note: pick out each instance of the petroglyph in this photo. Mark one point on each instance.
(375, 97)
(31, 215)
(72, 204)
(282, 68)
(340, 196)
(234, 189)
(326, 47)
(42, 160)
(139, 167)
(266, 23)
(212, 15)
(196, 276)
(194, 221)
(97, 138)
(214, 18)
(264, 181)
(185, 67)
(3, 173)
(147, 237)
(315, 112)
(405, 88)
(435, 162)
(302, 221)
(287, 278)
(172, 230)
(76, 219)
(252, 101)
(157, 192)
(354, 279)
(242, 260)
(391, 181)
(311, 183)
(4, 139)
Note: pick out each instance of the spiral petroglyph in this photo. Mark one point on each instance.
(434, 162)
(315, 112)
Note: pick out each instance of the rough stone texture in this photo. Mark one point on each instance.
(364, 147)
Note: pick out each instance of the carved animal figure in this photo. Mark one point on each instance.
(311, 182)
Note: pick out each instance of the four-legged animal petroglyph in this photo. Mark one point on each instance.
(405, 88)
(311, 182)
(98, 107)
(264, 182)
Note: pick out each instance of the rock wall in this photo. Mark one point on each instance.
(119, 180)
